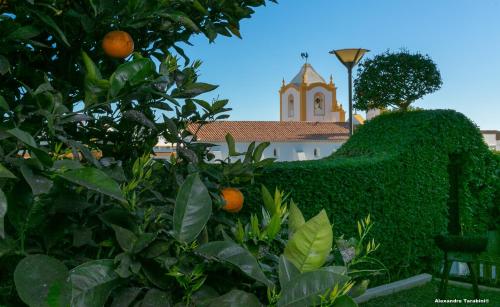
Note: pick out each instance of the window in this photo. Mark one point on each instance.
(275, 152)
(290, 106)
(319, 104)
(316, 153)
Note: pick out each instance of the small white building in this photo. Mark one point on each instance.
(312, 124)
(492, 138)
(290, 141)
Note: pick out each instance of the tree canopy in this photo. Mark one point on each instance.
(395, 80)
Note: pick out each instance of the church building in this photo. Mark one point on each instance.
(312, 123)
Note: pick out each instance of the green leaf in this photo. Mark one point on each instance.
(92, 282)
(287, 271)
(125, 297)
(259, 150)
(311, 243)
(304, 290)
(5, 173)
(227, 251)
(90, 67)
(39, 276)
(231, 145)
(39, 184)
(295, 219)
(156, 298)
(3, 211)
(24, 33)
(96, 180)
(268, 200)
(132, 72)
(4, 65)
(345, 301)
(22, 136)
(193, 90)
(125, 237)
(236, 298)
(51, 23)
(193, 208)
(3, 104)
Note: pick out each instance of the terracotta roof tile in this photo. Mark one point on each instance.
(272, 131)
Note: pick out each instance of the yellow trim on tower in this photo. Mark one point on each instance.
(281, 106)
(303, 98)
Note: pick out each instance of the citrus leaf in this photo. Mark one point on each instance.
(156, 298)
(132, 72)
(39, 184)
(5, 173)
(268, 200)
(23, 136)
(295, 219)
(311, 243)
(3, 211)
(92, 282)
(51, 23)
(90, 67)
(345, 301)
(235, 298)
(193, 208)
(94, 179)
(259, 150)
(39, 276)
(193, 90)
(304, 290)
(227, 251)
(125, 296)
(287, 271)
(3, 104)
(24, 33)
(4, 65)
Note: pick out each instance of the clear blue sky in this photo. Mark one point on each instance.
(461, 36)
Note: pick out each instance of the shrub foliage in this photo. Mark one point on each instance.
(396, 168)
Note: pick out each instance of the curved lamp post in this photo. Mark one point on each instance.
(350, 57)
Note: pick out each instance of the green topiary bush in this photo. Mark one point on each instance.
(397, 168)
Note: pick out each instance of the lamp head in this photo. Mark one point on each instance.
(349, 57)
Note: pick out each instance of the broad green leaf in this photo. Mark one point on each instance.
(132, 72)
(259, 150)
(295, 219)
(39, 278)
(24, 33)
(22, 136)
(3, 104)
(3, 211)
(125, 238)
(94, 179)
(39, 184)
(345, 301)
(337, 269)
(287, 271)
(304, 290)
(90, 67)
(4, 65)
(193, 208)
(125, 296)
(156, 298)
(92, 283)
(268, 200)
(311, 243)
(51, 23)
(183, 19)
(139, 117)
(236, 298)
(226, 251)
(359, 288)
(193, 90)
(274, 227)
(5, 173)
(231, 145)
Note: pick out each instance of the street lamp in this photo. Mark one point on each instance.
(350, 57)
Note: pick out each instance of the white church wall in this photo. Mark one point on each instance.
(286, 151)
(329, 115)
(491, 140)
(296, 105)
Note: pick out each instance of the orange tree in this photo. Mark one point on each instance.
(87, 217)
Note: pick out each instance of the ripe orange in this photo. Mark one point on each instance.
(118, 44)
(234, 199)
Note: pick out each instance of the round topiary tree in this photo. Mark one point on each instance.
(395, 79)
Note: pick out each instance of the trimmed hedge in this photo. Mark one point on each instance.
(395, 167)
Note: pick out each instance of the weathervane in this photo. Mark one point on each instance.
(305, 56)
